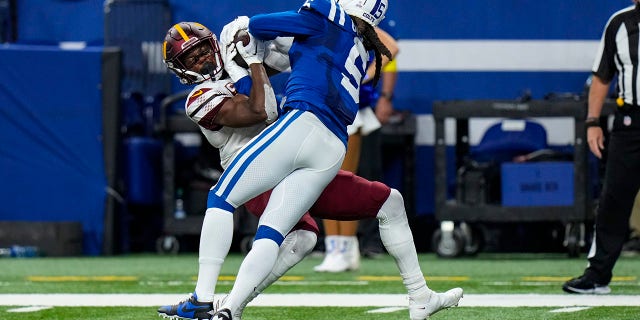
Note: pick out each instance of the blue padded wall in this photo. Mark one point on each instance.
(51, 148)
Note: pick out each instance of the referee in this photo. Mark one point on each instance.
(617, 55)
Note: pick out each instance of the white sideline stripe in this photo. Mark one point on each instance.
(321, 300)
(496, 55)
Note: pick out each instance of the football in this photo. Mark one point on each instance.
(241, 35)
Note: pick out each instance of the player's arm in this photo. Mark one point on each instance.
(285, 24)
(243, 110)
(220, 105)
(259, 104)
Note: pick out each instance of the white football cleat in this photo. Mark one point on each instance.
(333, 262)
(438, 301)
(222, 314)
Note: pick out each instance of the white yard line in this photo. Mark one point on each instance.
(29, 309)
(569, 309)
(322, 300)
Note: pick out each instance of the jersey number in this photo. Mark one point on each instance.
(351, 82)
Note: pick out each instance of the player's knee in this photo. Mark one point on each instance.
(393, 207)
(299, 242)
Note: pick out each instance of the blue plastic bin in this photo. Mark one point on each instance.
(537, 184)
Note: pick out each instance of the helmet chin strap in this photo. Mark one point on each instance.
(197, 77)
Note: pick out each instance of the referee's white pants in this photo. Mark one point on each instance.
(297, 156)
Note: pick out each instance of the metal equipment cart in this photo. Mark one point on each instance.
(454, 235)
(170, 124)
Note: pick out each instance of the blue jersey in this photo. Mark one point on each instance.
(327, 60)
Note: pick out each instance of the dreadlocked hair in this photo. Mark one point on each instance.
(372, 42)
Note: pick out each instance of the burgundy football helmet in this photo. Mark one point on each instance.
(184, 45)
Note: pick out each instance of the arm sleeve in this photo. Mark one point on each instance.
(243, 86)
(285, 24)
(604, 65)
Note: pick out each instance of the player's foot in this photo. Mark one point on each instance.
(584, 285)
(438, 301)
(333, 262)
(189, 308)
(222, 314)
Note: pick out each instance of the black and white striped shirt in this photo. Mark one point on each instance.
(618, 53)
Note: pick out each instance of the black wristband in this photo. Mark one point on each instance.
(386, 95)
(592, 122)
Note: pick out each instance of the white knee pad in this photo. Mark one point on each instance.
(297, 245)
(393, 208)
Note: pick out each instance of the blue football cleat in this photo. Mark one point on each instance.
(189, 308)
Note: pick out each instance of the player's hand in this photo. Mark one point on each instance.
(384, 110)
(595, 138)
(231, 29)
(235, 71)
(253, 52)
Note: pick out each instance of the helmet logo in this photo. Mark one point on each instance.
(372, 11)
(188, 42)
(378, 9)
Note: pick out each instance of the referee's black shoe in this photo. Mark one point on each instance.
(584, 285)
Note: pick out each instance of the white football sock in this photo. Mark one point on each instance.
(254, 269)
(215, 242)
(331, 244)
(297, 245)
(352, 253)
(398, 240)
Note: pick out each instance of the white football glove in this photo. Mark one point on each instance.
(252, 52)
(230, 29)
(235, 71)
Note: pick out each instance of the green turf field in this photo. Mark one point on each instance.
(153, 274)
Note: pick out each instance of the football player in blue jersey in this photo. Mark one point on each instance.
(300, 152)
(328, 58)
(303, 150)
